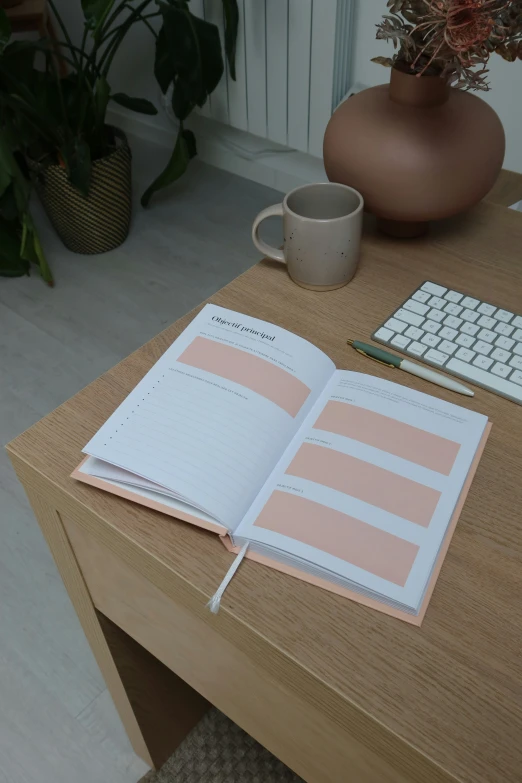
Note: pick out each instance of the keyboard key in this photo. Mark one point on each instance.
(502, 356)
(384, 334)
(468, 301)
(453, 296)
(437, 302)
(493, 382)
(416, 307)
(435, 356)
(446, 347)
(483, 361)
(433, 288)
(447, 333)
(410, 318)
(394, 325)
(436, 315)
(486, 322)
(504, 329)
(518, 335)
(465, 354)
(430, 340)
(453, 309)
(481, 347)
(400, 341)
(517, 321)
(517, 377)
(486, 309)
(469, 315)
(505, 342)
(421, 296)
(413, 332)
(417, 349)
(504, 315)
(486, 335)
(453, 322)
(501, 370)
(465, 339)
(518, 349)
(431, 326)
(468, 328)
(516, 362)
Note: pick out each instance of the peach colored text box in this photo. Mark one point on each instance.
(345, 537)
(395, 437)
(252, 372)
(362, 480)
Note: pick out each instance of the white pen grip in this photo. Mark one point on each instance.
(427, 374)
(423, 372)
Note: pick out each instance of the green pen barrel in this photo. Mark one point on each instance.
(378, 353)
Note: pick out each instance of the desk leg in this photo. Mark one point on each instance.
(156, 707)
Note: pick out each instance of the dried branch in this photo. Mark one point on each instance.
(452, 38)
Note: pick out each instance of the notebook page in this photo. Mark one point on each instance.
(368, 487)
(212, 417)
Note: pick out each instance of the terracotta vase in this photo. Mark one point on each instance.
(417, 150)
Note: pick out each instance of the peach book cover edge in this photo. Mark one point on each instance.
(221, 531)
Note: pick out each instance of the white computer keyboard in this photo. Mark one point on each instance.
(475, 340)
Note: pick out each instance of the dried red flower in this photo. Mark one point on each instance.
(452, 37)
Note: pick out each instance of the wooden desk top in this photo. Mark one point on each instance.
(446, 697)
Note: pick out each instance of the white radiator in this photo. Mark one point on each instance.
(293, 68)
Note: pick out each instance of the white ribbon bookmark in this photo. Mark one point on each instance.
(215, 601)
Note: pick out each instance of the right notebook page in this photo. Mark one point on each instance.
(368, 487)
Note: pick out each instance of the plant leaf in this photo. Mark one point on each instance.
(162, 63)
(5, 30)
(209, 44)
(188, 55)
(135, 104)
(11, 262)
(102, 96)
(386, 61)
(5, 181)
(32, 250)
(177, 165)
(231, 26)
(77, 157)
(176, 48)
(190, 141)
(8, 205)
(96, 12)
(18, 58)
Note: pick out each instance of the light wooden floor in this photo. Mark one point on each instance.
(57, 722)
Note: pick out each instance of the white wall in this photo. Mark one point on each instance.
(505, 78)
(133, 73)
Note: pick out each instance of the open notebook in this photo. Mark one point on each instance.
(342, 479)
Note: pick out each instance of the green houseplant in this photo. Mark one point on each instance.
(60, 123)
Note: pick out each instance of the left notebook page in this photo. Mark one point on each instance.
(211, 419)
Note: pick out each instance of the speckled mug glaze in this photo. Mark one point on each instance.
(322, 234)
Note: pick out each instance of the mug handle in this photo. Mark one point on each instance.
(270, 252)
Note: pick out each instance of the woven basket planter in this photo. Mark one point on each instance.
(96, 223)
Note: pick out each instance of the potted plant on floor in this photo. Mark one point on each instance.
(19, 242)
(81, 165)
(425, 148)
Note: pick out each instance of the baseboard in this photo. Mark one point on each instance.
(226, 148)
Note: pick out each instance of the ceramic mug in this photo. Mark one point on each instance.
(322, 234)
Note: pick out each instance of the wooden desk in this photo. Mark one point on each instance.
(337, 691)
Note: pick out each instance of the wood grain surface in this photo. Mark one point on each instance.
(309, 742)
(507, 189)
(443, 702)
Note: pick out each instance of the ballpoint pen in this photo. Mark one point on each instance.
(391, 360)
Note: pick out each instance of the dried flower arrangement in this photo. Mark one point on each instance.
(452, 38)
